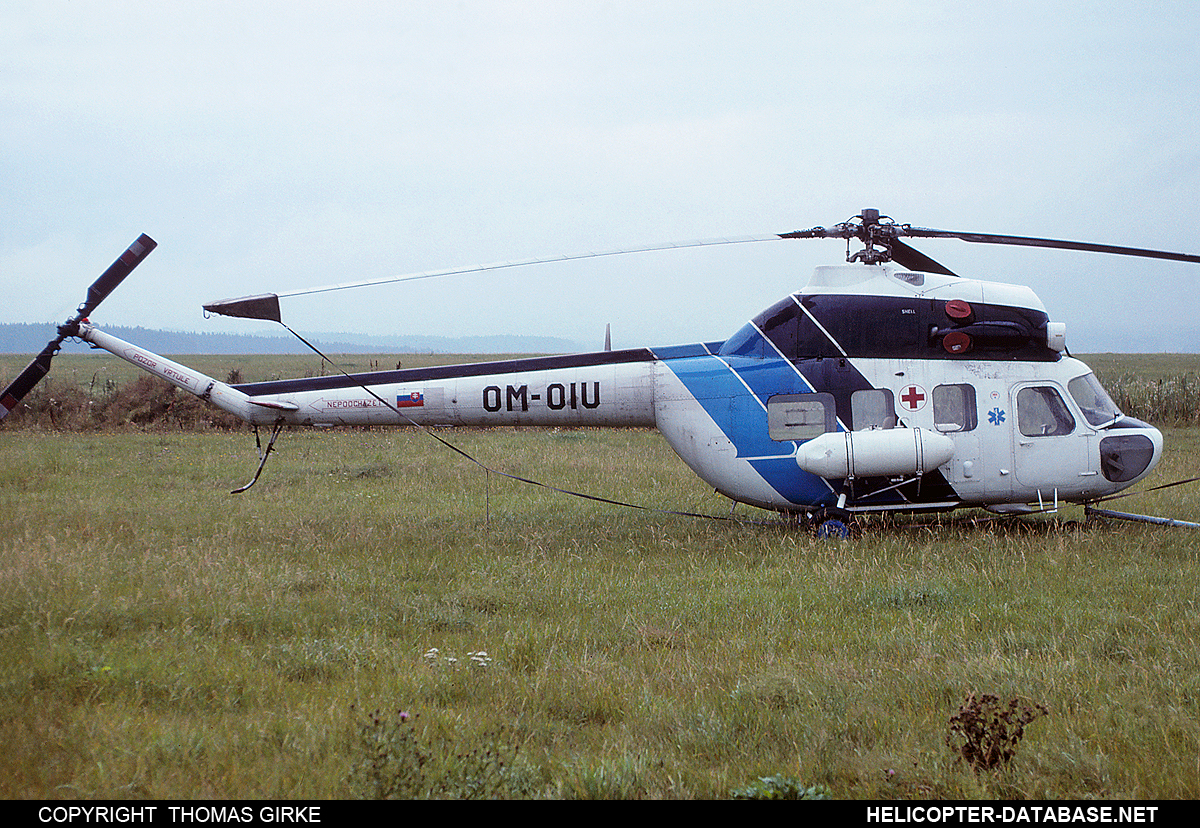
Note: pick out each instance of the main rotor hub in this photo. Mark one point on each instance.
(877, 234)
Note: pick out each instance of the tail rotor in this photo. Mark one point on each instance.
(97, 293)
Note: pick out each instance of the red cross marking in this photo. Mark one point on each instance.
(913, 397)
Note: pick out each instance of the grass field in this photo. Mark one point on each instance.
(380, 617)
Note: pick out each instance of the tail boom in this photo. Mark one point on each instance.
(600, 395)
(194, 382)
(613, 389)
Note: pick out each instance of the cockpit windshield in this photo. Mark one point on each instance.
(1097, 406)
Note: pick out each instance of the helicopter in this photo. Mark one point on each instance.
(885, 384)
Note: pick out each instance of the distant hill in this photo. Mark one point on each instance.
(18, 338)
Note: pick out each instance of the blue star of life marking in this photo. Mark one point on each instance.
(996, 416)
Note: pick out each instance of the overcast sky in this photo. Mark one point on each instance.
(271, 146)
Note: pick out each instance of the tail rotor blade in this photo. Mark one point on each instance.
(116, 273)
(27, 379)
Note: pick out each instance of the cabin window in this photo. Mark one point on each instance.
(747, 342)
(780, 324)
(954, 408)
(800, 416)
(1041, 412)
(872, 408)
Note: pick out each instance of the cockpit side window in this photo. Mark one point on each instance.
(1041, 412)
(954, 408)
(1093, 400)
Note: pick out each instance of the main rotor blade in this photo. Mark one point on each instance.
(872, 228)
(1028, 241)
(97, 293)
(266, 306)
(913, 259)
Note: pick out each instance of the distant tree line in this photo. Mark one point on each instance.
(23, 338)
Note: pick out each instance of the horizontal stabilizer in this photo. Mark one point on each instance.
(279, 406)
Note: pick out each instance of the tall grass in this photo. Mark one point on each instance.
(162, 638)
(1172, 400)
(1163, 389)
(379, 617)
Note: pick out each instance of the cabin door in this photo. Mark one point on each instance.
(1051, 449)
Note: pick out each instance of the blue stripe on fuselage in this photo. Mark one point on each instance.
(734, 391)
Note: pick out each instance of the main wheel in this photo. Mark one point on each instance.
(832, 528)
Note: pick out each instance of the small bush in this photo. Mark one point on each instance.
(781, 787)
(985, 733)
(145, 403)
(398, 760)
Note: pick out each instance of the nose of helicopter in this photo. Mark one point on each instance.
(1129, 451)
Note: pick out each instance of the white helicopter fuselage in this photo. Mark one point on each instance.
(873, 389)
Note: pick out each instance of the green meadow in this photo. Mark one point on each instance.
(380, 617)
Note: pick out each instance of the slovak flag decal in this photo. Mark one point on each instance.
(413, 400)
